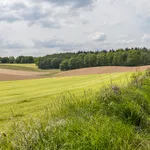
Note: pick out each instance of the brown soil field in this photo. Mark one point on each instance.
(4, 77)
(8, 75)
(102, 70)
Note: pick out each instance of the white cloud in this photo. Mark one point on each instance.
(98, 36)
(122, 36)
(146, 38)
(125, 42)
(110, 24)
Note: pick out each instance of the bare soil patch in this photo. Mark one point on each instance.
(20, 73)
(8, 75)
(102, 70)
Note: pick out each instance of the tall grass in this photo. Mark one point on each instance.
(114, 118)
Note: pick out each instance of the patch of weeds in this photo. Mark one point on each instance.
(24, 101)
(3, 119)
(15, 115)
(18, 115)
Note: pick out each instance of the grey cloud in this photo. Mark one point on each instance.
(20, 11)
(10, 12)
(33, 13)
(46, 23)
(84, 22)
(83, 3)
(9, 18)
(50, 24)
(12, 45)
(6, 44)
(56, 43)
(18, 6)
(73, 3)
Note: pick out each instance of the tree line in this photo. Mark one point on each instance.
(82, 59)
(18, 60)
(119, 57)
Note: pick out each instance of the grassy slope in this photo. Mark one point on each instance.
(25, 67)
(25, 98)
(111, 119)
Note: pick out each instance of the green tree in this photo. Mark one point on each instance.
(64, 65)
(37, 60)
(24, 60)
(110, 57)
(18, 59)
(133, 58)
(116, 60)
(11, 59)
(80, 59)
(102, 59)
(55, 63)
(73, 63)
(44, 63)
(5, 60)
(144, 58)
(90, 60)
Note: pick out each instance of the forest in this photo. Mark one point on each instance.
(82, 59)
(18, 60)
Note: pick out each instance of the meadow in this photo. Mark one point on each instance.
(26, 98)
(104, 112)
(25, 67)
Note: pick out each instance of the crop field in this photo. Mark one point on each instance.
(26, 98)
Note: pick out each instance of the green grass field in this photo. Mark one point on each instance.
(103, 112)
(24, 67)
(21, 99)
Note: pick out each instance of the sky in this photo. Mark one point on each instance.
(41, 27)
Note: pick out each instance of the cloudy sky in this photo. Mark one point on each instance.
(40, 27)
